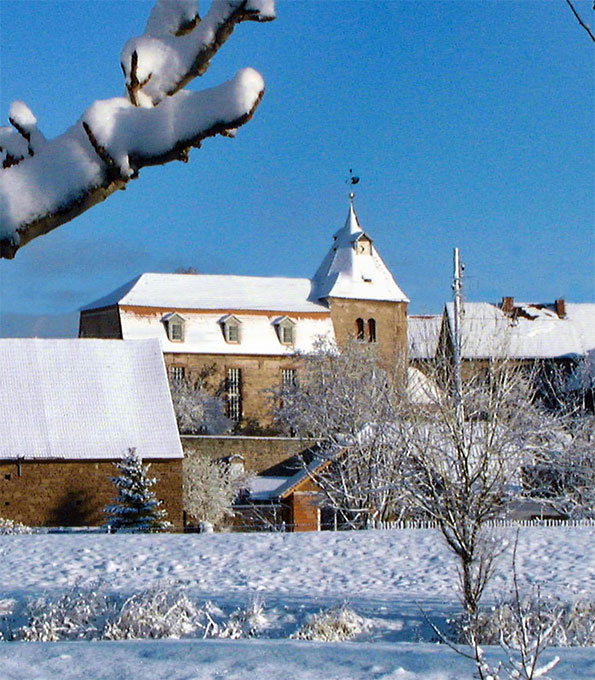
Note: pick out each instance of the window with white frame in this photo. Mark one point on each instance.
(288, 378)
(234, 394)
(286, 331)
(231, 330)
(177, 373)
(175, 325)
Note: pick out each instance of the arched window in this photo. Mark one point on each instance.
(360, 333)
(371, 330)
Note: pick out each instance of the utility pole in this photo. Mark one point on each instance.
(457, 287)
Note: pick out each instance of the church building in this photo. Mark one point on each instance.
(246, 332)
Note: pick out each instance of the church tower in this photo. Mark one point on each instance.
(364, 299)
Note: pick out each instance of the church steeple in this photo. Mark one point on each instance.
(353, 269)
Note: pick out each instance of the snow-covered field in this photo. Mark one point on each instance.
(385, 576)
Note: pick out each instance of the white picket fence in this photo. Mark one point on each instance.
(427, 524)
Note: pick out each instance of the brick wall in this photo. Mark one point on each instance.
(73, 493)
(259, 453)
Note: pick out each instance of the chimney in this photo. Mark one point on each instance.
(507, 305)
(561, 308)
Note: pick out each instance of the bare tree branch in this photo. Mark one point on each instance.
(581, 22)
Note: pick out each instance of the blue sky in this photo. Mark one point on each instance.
(470, 124)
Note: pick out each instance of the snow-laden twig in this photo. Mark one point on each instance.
(44, 184)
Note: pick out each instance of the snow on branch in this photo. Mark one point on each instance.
(44, 184)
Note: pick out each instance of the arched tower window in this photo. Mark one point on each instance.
(360, 332)
(371, 330)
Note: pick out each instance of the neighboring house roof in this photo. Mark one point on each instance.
(423, 333)
(347, 273)
(85, 400)
(529, 331)
(215, 292)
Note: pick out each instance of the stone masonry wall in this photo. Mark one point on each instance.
(261, 375)
(259, 453)
(74, 493)
(391, 324)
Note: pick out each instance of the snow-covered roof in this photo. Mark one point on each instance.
(423, 333)
(203, 332)
(85, 399)
(348, 273)
(213, 291)
(530, 331)
(263, 488)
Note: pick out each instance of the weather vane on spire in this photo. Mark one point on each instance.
(352, 180)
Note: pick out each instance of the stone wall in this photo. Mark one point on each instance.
(391, 324)
(259, 453)
(74, 493)
(261, 376)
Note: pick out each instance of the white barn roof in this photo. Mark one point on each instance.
(347, 273)
(85, 400)
(535, 331)
(216, 292)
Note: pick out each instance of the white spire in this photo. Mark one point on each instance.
(353, 268)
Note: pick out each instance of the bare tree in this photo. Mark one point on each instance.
(197, 410)
(347, 400)
(452, 448)
(46, 183)
(210, 488)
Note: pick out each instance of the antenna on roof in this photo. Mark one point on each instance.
(352, 180)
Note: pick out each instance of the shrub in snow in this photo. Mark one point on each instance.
(569, 624)
(334, 624)
(135, 508)
(247, 622)
(155, 613)
(78, 614)
(9, 526)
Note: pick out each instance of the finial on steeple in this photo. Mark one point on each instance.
(353, 179)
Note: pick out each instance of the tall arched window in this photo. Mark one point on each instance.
(359, 329)
(371, 330)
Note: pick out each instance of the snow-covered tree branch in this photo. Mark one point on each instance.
(46, 183)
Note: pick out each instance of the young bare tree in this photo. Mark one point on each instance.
(452, 448)
(197, 410)
(210, 488)
(46, 183)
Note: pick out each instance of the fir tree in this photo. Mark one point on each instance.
(135, 508)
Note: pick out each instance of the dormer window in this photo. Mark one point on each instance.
(286, 331)
(363, 245)
(175, 326)
(231, 329)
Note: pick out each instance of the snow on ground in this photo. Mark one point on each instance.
(384, 575)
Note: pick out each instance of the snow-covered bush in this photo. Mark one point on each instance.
(155, 613)
(334, 624)
(572, 623)
(135, 508)
(245, 622)
(10, 527)
(78, 614)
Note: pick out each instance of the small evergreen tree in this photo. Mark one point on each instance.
(135, 508)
